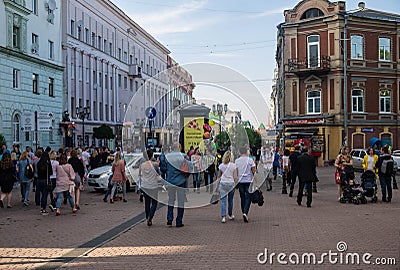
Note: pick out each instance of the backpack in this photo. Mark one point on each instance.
(29, 171)
(387, 167)
(42, 169)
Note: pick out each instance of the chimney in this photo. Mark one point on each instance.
(361, 5)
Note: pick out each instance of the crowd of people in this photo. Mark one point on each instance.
(55, 176)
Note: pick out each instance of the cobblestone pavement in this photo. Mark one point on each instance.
(105, 236)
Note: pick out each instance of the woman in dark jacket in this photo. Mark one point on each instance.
(6, 179)
(94, 160)
(79, 170)
(44, 171)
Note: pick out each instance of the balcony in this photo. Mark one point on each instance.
(305, 65)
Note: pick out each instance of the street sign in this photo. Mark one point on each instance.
(28, 121)
(151, 112)
(45, 121)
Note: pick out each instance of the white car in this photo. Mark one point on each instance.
(358, 157)
(98, 178)
(396, 158)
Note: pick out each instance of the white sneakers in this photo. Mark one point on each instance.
(245, 218)
(223, 220)
(231, 217)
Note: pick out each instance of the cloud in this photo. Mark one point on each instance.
(269, 12)
(180, 19)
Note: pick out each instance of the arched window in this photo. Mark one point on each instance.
(16, 128)
(357, 99)
(312, 13)
(384, 101)
(314, 102)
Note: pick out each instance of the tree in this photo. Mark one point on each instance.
(103, 132)
(222, 140)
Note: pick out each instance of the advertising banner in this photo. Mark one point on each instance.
(193, 132)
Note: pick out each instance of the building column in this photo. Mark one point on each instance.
(69, 85)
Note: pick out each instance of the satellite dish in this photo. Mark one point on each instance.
(52, 4)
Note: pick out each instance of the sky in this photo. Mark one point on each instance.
(238, 37)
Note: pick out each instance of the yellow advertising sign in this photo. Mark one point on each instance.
(193, 132)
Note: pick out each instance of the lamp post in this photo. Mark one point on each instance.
(83, 113)
(220, 110)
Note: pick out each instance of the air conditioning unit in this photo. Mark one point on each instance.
(135, 70)
(35, 48)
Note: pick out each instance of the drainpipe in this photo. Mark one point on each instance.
(345, 139)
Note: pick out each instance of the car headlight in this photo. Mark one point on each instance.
(104, 175)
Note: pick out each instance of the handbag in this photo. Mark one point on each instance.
(215, 197)
(337, 178)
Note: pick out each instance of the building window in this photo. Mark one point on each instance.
(35, 82)
(72, 28)
(16, 37)
(87, 35)
(99, 39)
(384, 49)
(136, 86)
(16, 78)
(119, 80)
(314, 102)
(35, 7)
(131, 85)
(357, 97)
(16, 128)
(106, 81)
(357, 47)
(313, 51)
(51, 49)
(93, 39)
(125, 57)
(110, 51)
(119, 54)
(384, 101)
(51, 87)
(35, 44)
(100, 79)
(79, 32)
(111, 83)
(312, 13)
(125, 82)
(105, 45)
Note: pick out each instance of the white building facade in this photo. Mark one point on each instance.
(31, 72)
(109, 59)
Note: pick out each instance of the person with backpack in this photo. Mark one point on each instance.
(25, 170)
(44, 171)
(79, 170)
(385, 166)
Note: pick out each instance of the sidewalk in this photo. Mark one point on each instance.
(281, 226)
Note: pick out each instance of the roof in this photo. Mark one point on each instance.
(375, 14)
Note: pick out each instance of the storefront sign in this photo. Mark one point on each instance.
(367, 130)
(304, 121)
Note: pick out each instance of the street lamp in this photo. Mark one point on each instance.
(220, 110)
(83, 113)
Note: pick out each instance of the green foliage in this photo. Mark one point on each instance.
(103, 132)
(222, 140)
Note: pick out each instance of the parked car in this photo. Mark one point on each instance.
(396, 158)
(358, 157)
(98, 178)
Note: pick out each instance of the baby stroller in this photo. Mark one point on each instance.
(351, 191)
(368, 183)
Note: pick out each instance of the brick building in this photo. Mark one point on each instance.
(313, 60)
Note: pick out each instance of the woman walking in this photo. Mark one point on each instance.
(246, 169)
(149, 173)
(25, 181)
(196, 160)
(64, 184)
(226, 181)
(79, 170)
(370, 160)
(44, 171)
(7, 178)
(119, 176)
(53, 179)
(343, 161)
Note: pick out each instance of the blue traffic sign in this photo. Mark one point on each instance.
(151, 112)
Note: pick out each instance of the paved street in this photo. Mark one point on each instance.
(114, 236)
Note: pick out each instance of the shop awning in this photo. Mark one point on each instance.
(304, 131)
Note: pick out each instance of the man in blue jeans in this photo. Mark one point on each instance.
(385, 176)
(177, 183)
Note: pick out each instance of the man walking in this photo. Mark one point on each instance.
(385, 165)
(307, 174)
(177, 182)
(293, 168)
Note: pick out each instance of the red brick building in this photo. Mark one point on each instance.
(316, 105)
